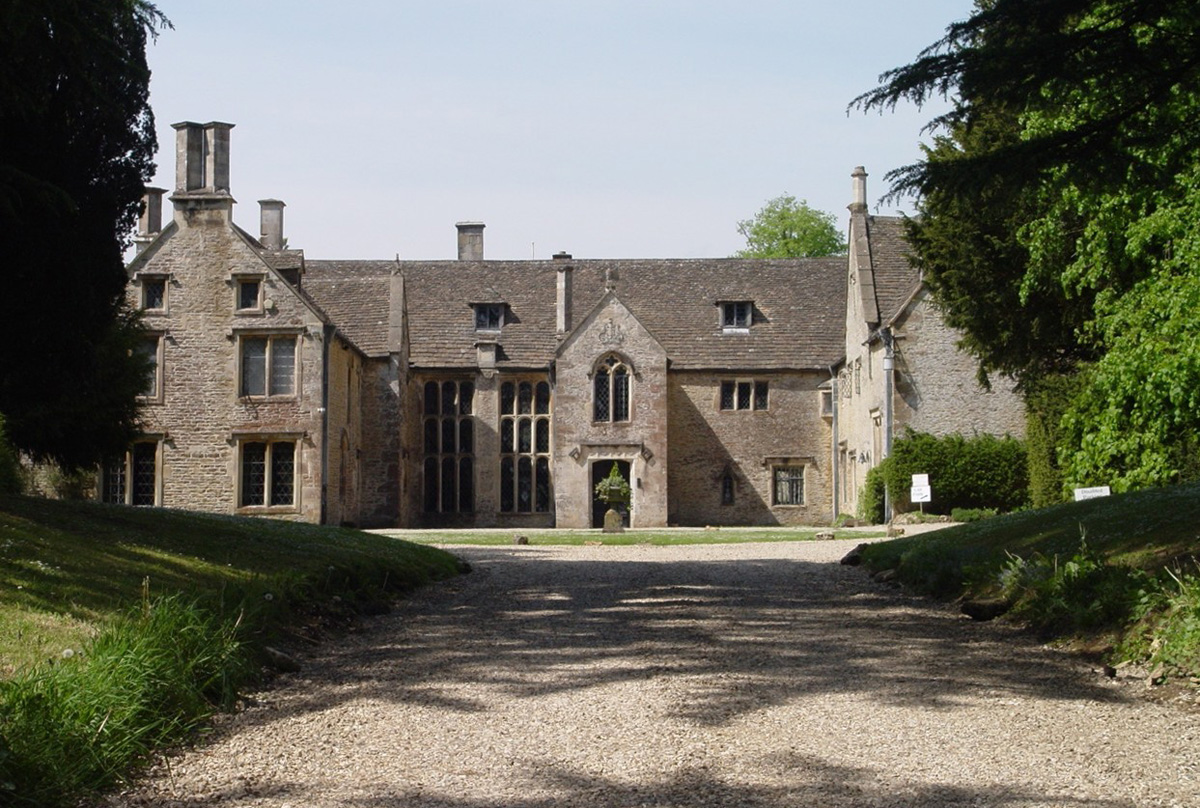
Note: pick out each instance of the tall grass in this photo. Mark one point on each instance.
(151, 679)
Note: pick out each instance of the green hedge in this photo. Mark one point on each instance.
(979, 472)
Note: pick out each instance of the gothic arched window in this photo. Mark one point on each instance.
(610, 390)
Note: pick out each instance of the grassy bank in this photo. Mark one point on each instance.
(122, 629)
(1120, 572)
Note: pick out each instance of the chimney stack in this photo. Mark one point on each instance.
(202, 172)
(271, 224)
(563, 308)
(859, 184)
(470, 241)
(150, 220)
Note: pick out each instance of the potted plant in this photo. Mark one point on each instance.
(613, 490)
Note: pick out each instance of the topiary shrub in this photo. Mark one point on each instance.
(11, 477)
(982, 472)
(1046, 399)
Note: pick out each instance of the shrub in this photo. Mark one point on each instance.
(1078, 594)
(971, 514)
(11, 476)
(979, 472)
(871, 498)
(1046, 399)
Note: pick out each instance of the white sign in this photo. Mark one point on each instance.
(920, 479)
(1092, 493)
(920, 493)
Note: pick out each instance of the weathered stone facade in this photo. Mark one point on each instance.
(902, 368)
(477, 393)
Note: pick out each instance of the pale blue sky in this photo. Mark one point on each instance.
(611, 129)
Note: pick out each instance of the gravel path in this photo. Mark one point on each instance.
(759, 676)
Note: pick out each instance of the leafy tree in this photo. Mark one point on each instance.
(76, 142)
(1074, 133)
(788, 228)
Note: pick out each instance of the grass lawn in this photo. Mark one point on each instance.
(679, 535)
(1149, 529)
(66, 568)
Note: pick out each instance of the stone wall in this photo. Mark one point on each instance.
(937, 390)
(199, 414)
(707, 443)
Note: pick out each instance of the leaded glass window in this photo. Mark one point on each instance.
(449, 443)
(525, 483)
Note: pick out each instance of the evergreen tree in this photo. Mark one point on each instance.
(76, 143)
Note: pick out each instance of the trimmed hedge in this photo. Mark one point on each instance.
(979, 472)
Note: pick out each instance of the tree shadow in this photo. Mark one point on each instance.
(721, 641)
(740, 635)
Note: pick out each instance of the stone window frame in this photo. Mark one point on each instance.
(436, 422)
(521, 469)
(240, 280)
(728, 487)
(757, 391)
(737, 316)
(271, 336)
(271, 440)
(796, 471)
(114, 478)
(825, 402)
(158, 279)
(608, 411)
(155, 376)
(489, 316)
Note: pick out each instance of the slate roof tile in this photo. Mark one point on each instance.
(799, 307)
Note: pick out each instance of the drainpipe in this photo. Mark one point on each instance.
(326, 338)
(889, 373)
(833, 447)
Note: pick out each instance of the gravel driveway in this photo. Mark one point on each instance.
(762, 675)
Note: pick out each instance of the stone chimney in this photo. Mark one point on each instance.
(563, 308)
(271, 224)
(202, 173)
(470, 241)
(150, 221)
(859, 184)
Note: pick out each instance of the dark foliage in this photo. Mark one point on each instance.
(1025, 55)
(979, 472)
(76, 142)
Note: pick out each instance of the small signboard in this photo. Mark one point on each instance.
(1092, 493)
(920, 493)
(920, 479)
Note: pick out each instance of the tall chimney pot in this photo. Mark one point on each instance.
(859, 184)
(470, 241)
(150, 219)
(271, 223)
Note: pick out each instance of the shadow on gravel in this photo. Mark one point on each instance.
(741, 635)
(809, 782)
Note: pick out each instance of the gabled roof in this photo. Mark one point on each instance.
(799, 307)
(355, 296)
(896, 279)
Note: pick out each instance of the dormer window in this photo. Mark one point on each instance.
(489, 316)
(736, 315)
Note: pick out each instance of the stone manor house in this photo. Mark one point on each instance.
(479, 393)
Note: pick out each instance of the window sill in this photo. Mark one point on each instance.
(266, 510)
